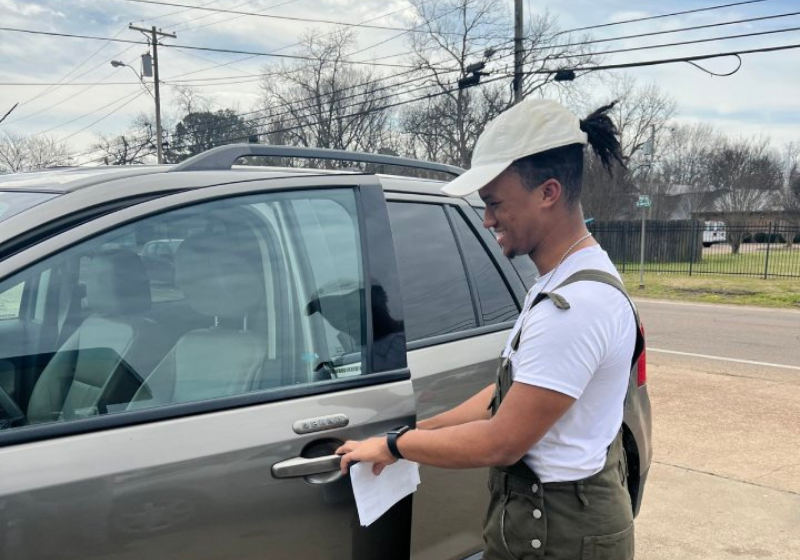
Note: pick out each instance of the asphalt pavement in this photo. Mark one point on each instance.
(725, 387)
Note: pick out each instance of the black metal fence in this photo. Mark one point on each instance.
(688, 247)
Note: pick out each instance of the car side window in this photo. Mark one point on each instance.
(436, 296)
(496, 303)
(260, 292)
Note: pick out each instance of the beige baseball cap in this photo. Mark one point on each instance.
(529, 127)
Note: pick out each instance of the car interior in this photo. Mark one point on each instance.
(100, 330)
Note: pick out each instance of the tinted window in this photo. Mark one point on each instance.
(526, 270)
(219, 299)
(435, 291)
(495, 301)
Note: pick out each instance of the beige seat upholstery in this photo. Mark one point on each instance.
(105, 360)
(220, 281)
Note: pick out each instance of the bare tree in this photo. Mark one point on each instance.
(458, 33)
(19, 152)
(642, 113)
(790, 201)
(750, 176)
(135, 146)
(607, 196)
(189, 100)
(326, 102)
(684, 155)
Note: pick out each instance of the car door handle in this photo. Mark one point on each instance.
(302, 466)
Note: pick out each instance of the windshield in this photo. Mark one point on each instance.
(12, 203)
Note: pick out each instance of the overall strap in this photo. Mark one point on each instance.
(609, 279)
(560, 302)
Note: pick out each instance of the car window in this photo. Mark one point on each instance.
(261, 292)
(526, 269)
(496, 304)
(436, 296)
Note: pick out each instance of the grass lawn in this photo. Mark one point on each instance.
(717, 289)
(719, 260)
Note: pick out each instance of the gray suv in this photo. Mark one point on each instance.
(194, 413)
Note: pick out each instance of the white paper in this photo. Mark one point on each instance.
(376, 494)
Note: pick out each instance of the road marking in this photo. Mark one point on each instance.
(728, 306)
(722, 359)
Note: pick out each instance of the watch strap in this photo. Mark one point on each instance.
(391, 441)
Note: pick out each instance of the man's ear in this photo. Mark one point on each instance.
(551, 191)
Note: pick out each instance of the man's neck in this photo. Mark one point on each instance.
(558, 246)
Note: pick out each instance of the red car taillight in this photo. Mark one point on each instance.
(641, 377)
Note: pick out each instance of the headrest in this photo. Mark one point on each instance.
(216, 276)
(340, 302)
(117, 283)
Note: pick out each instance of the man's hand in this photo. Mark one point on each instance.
(372, 450)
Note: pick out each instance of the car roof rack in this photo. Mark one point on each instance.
(223, 157)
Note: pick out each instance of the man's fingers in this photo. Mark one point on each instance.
(345, 463)
(377, 468)
(346, 447)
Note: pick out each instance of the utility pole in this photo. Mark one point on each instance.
(152, 36)
(644, 201)
(517, 51)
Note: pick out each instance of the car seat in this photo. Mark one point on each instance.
(104, 361)
(219, 281)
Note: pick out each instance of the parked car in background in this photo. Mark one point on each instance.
(714, 232)
(194, 414)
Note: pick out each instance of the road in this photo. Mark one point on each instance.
(725, 387)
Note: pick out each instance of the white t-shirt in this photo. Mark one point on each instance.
(584, 352)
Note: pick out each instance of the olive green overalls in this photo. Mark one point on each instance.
(589, 519)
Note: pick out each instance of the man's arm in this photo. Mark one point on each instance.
(474, 408)
(526, 414)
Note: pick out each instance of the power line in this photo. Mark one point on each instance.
(53, 87)
(649, 18)
(671, 60)
(666, 45)
(190, 47)
(634, 48)
(31, 84)
(195, 27)
(127, 96)
(68, 98)
(677, 30)
(126, 100)
(270, 16)
(353, 115)
(582, 55)
(151, 20)
(300, 42)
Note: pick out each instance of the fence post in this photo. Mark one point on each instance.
(766, 259)
(624, 245)
(694, 242)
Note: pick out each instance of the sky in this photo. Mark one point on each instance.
(761, 99)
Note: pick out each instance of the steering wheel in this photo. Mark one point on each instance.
(10, 407)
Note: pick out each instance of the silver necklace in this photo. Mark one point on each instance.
(563, 258)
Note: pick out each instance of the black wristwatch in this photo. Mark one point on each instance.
(391, 440)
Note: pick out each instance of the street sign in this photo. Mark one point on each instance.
(644, 201)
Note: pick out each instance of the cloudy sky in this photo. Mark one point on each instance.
(762, 98)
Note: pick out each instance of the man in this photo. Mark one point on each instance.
(550, 427)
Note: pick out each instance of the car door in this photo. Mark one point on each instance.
(198, 420)
(458, 310)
